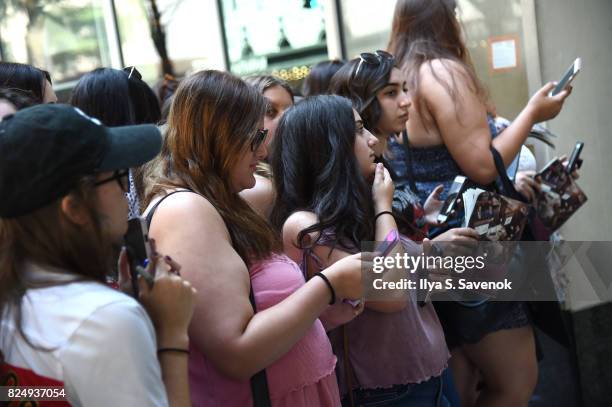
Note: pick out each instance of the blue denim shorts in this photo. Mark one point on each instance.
(426, 394)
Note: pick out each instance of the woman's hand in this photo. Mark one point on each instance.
(169, 302)
(382, 189)
(458, 241)
(432, 206)
(345, 275)
(526, 184)
(543, 107)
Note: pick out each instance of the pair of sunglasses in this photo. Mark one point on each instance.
(259, 138)
(373, 59)
(122, 178)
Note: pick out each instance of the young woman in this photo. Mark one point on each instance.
(119, 98)
(331, 198)
(27, 78)
(62, 180)
(378, 90)
(211, 150)
(279, 97)
(449, 134)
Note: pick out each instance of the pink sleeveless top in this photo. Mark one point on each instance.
(304, 376)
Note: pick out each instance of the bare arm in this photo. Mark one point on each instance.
(463, 122)
(238, 342)
(261, 197)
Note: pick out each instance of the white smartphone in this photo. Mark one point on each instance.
(568, 77)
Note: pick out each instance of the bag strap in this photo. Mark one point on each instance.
(408, 161)
(506, 183)
(259, 381)
(348, 370)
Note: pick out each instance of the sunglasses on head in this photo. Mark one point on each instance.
(373, 59)
(132, 72)
(259, 138)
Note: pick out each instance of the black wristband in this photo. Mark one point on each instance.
(382, 213)
(331, 288)
(179, 350)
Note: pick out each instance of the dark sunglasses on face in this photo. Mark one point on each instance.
(132, 72)
(259, 138)
(372, 59)
(122, 178)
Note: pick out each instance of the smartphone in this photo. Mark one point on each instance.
(451, 199)
(574, 160)
(568, 77)
(138, 250)
(391, 240)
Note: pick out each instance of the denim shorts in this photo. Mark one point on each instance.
(426, 394)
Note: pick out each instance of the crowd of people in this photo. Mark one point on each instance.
(257, 201)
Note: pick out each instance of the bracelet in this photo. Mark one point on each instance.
(331, 288)
(179, 350)
(382, 213)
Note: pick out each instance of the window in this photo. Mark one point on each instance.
(67, 38)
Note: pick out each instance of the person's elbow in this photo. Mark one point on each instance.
(484, 174)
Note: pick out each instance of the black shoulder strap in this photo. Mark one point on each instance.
(408, 160)
(507, 185)
(259, 381)
(149, 217)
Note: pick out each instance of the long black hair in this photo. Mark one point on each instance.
(315, 169)
(25, 78)
(115, 100)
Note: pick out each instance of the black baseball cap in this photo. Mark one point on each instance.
(46, 149)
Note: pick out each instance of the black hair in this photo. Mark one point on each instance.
(315, 169)
(144, 101)
(109, 95)
(104, 94)
(318, 80)
(24, 77)
(17, 97)
(361, 87)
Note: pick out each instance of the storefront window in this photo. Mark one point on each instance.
(283, 37)
(67, 38)
(193, 38)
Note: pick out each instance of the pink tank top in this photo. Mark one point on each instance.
(304, 376)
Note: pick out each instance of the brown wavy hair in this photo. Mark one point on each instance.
(213, 118)
(427, 30)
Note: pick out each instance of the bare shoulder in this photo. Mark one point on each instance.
(442, 74)
(191, 210)
(297, 222)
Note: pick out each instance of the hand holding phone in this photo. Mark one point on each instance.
(451, 199)
(139, 250)
(574, 161)
(568, 77)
